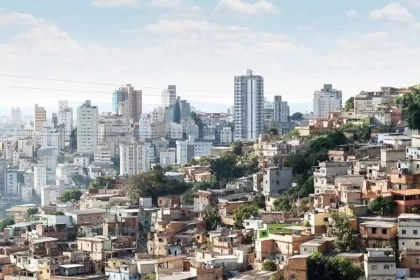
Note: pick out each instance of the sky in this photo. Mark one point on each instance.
(200, 45)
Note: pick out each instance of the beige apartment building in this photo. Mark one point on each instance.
(40, 116)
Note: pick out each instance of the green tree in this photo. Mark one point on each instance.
(383, 205)
(152, 183)
(79, 180)
(259, 201)
(237, 148)
(413, 116)
(273, 131)
(269, 265)
(32, 211)
(296, 116)
(211, 217)
(199, 123)
(340, 229)
(330, 268)
(283, 204)
(224, 168)
(102, 183)
(349, 106)
(299, 163)
(244, 212)
(70, 195)
(6, 223)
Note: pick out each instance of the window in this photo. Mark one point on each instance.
(386, 266)
(292, 276)
(325, 219)
(374, 230)
(417, 261)
(374, 267)
(403, 231)
(417, 243)
(384, 231)
(415, 231)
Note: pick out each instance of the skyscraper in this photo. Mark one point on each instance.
(248, 106)
(176, 112)
(65, 117)
(168, 95)
(128, 102)
(16, 116)
(40, 116)
(327, 100)
(281, 110)
(118, 97)
(87, 128)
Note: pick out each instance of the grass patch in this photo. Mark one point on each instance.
(275, 228)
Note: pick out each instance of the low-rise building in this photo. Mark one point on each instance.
(380, 263)
(377, 234)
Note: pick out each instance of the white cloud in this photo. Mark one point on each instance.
(392, 12)
(352, 13)
(185, 4)
(14, 18)
(181, 26)
(116, 3)
(414, 3)
(243, 8)
(365, 41)
(46, 39)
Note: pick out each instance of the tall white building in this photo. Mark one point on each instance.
(87, 128)
(11, 181)
(51, 137)
(65, 118)
(145, 128)
(102, 155)
(40, 177)
(168, 96)
(281, 110)
(248, 106)
(186, 150)
(327, 100)
(135, 157)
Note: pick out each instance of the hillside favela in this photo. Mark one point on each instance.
(209, 140)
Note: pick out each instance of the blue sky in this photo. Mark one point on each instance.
(296, 45)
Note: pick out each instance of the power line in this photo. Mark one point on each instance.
(101, 84)
(94, 92)
(107, 84)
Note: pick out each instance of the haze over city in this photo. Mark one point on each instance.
(200, 45)
(209, 140)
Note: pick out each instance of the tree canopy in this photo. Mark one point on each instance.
(237, 148)
(102, 183)
(332, 268)
(273, 131)
(32, 211)
(79, 180)
(349, 106)
(153, 183)
(269, 265)
(340, 229)
(298, 116)
(6, 223)
(316, 151)
(70, 195)
(244, 212)
(383, 205)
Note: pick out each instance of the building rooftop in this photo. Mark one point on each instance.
(71, 265)
(378, 224)
(254, 274)
(409, 216)
(86, 211)
(407, 192)
(181, 276)
(43, 239)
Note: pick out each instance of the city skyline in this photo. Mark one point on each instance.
(368, 43)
